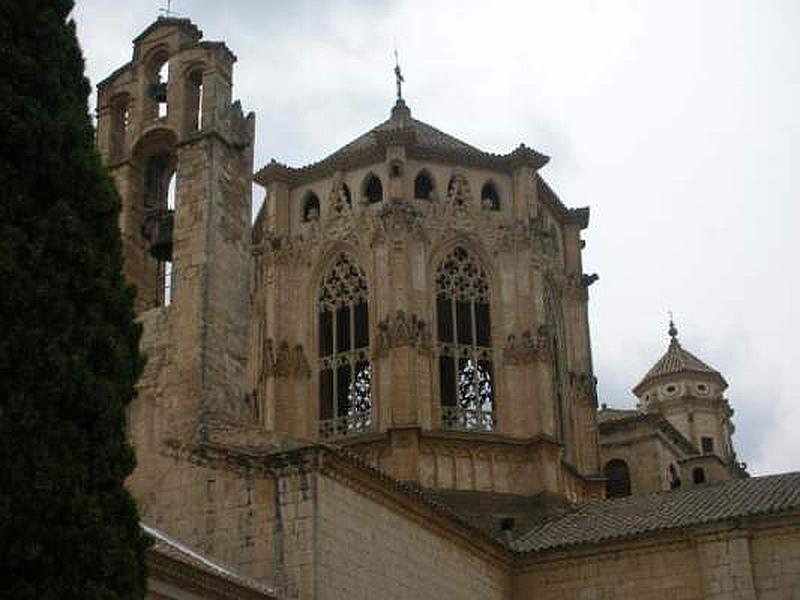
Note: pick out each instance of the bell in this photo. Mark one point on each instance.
(158, 231)
(157, 91)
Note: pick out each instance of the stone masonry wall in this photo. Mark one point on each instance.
(220, 513)
(368, 550)
(776, 563)
(655, 572)
(729, 562)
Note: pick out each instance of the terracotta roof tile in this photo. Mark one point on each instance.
(677, 360)
(625, 517)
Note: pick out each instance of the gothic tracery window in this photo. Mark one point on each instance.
(466, 379)
(345, 372)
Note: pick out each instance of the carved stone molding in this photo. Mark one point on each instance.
(583, 386)
(458, 192)
(399, 330)
(284, 362)
(399, 221)
(530, 347)
(395, 220)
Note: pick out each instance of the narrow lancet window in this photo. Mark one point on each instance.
(345, 371)
(466, 379)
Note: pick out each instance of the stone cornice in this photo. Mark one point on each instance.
(506, 163)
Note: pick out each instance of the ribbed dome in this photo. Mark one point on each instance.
(675, 361)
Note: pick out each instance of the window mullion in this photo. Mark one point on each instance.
(456, 350)
(476, 388)
(334, 361)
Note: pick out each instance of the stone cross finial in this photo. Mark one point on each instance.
(673, 331)
(398, 76)
(166, 11)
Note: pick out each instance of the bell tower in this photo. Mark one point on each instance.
(181, 153)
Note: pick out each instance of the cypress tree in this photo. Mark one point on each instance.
(68, 340)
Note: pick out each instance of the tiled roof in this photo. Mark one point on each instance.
(173, 549)
(487, 510)
(425, 136)
(677, 360)
(421, 141)
(625, 517)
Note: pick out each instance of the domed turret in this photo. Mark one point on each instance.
(689, 393)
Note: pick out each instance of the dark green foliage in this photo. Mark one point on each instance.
(68, 341)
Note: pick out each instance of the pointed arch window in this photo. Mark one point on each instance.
(345, 371)
(466, 379)
(423, 186)
(373, 189)
(618, 479)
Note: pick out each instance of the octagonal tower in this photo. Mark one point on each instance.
(424, 303)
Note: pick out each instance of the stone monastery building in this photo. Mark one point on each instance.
(382, 386)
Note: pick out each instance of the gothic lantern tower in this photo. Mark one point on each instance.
(423, 303)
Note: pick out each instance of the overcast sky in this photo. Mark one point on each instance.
(677, 122)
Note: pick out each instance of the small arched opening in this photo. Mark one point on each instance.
(698, 475)
(372, 189)
(310, 207)
(160, 194)
(396, 169)
(618, 479)
(423, 186)
(158, 83)
(490, 198)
